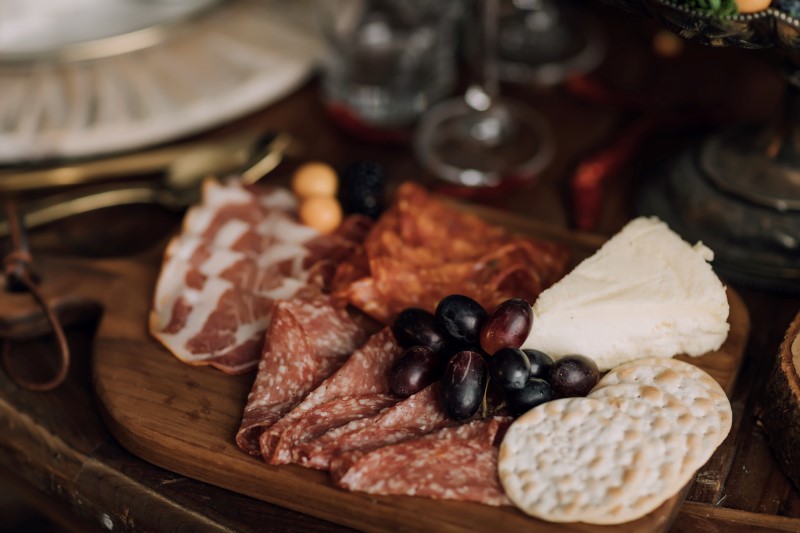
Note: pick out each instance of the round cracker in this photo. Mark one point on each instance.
(699, 401)
(572, 459)
(721, 401)
(668, 421)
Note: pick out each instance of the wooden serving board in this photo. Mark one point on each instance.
(184, 418)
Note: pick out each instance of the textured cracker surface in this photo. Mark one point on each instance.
(668, 427)
(573, 458)
(704, 379)
(699, 401)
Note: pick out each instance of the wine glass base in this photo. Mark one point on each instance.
(753, 244)
(474, 148)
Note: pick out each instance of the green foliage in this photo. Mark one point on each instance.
(718, 8)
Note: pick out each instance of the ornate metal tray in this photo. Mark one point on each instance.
(737, 190)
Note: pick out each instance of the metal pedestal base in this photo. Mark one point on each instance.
(753, 245)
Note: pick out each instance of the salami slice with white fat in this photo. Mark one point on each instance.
(306, 342)
(331, 330)
(416, 415)
(327, 416)
(454, 463)
(366, 372)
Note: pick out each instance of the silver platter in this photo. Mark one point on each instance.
(128, 74)
(70, 30)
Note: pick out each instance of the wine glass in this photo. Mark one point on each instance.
(542, 42)
(482, 139)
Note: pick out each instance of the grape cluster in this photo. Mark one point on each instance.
(544, 380)
(476, 355)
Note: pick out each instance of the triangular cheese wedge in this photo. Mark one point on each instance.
(645, 293)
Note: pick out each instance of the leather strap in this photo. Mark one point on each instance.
(21, 276)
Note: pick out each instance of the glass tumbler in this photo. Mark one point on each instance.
(387, 61)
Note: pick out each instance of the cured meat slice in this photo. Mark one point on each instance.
(366, 372)
(488, 431)
(327, 252)
(307, 341)
(285, 374)
(402, 260)
(456, 463)
(335, 247)
(239, 251)
(416, 415)
(332, 332)
(223, 203)
(214, 307)
(327, 416)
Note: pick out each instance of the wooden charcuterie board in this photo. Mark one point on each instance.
(184, 418)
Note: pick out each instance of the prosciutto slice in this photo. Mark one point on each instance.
(308, 340)
(455, 463)
(239, 251)
(213, 306)
(416, 415)
(366, 372)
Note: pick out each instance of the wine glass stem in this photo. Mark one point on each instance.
(485, 85)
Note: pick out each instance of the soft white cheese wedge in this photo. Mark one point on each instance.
(645, 293)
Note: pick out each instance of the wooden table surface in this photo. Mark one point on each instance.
(56, 451)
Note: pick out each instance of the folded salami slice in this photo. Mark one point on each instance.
(366, 372)
(328, 416)
(455, 463)
(414, 416)
(307, 341)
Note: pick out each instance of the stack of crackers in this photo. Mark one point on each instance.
(618, 454)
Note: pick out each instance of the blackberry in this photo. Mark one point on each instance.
(361, 188)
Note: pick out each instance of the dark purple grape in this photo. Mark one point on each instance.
(535, 392)
(573, 375)
(415, 326)
(463, 384)
(417, 368)
(461, 317)
(452, 347)
(541, 363)
(509, 368)
(508, 325)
